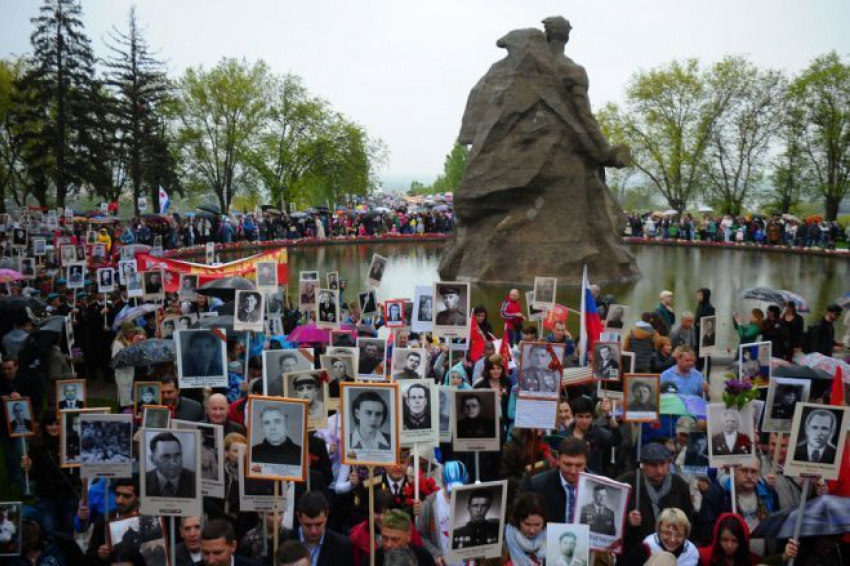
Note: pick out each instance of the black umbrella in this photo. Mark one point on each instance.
(223, 322)
(821, 380)
(211, 208)
(226, 287)
(228, 308)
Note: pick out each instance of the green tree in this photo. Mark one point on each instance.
(739, 141)
(11, 146)
(454, 168)
(220, 114)
(791, 178)
(821, 97)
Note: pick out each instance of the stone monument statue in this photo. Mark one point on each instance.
(533, 200)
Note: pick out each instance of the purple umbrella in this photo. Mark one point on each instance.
(309, 333)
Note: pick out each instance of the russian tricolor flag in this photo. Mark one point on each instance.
(591, 324)
(164, 201)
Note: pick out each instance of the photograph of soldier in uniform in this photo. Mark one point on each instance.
(266, 275)
(541, 369)
(371, 357)
(277, 363)
(606, 361)
(783, 394)
(476, 420)
(452, 308)
(368, 303)
(376, 270)
(730, 434)
(818, 439)
(370, 423)
(544, 292)
(567, 544)
(152, 284)
(311, 386)
(601, 505)
(478, 519)
(409, 363)
(146, 393)
(277, 435)
(597, 515)
(617, 317)
(306, 295)
(340, 369)
(188, 283)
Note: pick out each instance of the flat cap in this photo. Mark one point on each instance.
(654, 452)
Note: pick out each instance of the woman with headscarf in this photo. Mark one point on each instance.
(433, 516)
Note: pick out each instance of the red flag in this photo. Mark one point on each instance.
(836, 398)
(476, 340)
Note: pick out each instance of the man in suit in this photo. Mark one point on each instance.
(70, 400)
(20, 424)
(339, 374)
(276, 447)
(333, 549)
(169, 478)
(203, 355)
(218, 545)
(816, 446)
(559, 487)
(597, 515)
(606, 367)
(182, 408)
(730, 441)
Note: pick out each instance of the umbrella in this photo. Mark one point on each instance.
(132, 313)
(826, 364)
(764, 294)
(15, 302)
(382, 209)
(675, 404)
(799, 301)
(9, 275)
(223, 322)
(298, 215)
(823, 516)
(790, 217)
(211, 208)
(52, 324)
(309, 333)
(226, 287)
(146, 353)
(670, 212)
(705, 209)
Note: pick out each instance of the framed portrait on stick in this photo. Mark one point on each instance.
(818, 438)
(277, 363)
(266, 275)
(476, 420)
(419, 411)
(376, 270)
(642, 397)
(212, 455)
(328, 309)
(106, 445)
(423, 309)
(731, 434)
(254, 494)
(370, 424)
(19, 417)
(310, 386)
(601, 505)
(156, 416)
(169, 468)
(707, 335)
(144, 533)
(340, 369)
(606, 361)
(783, 395)
(188, 284)
(452, 308)
(477, 520)
(70, 394)
(69, 435)
(544, 292)
(277, 439)
(754, 363)
(146, 393)
(541, 369)
(567, 543)
(371, 359)
(201, 358)
(250, 310)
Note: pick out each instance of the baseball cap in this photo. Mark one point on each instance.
(685, 425)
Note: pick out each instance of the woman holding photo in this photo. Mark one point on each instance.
(525, 535)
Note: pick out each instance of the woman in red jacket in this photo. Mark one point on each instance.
(731, 544)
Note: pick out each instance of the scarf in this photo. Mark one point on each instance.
(524, 551)
(655, 495)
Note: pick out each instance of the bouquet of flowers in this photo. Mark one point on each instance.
(739, 392)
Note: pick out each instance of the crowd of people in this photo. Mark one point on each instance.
(690, 519)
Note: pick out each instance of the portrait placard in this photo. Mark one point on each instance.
(20, 421)
(277, 363)
(606, 361)
(277, 438)
(70, 394)
(201, 358)
(614, 389)
(344, 338)
(328, 309)
(707, 335)
(307, 295)
(423, 309)
(125, 268)
(169, 462)
(188, 285)
(254, 494)
(156, 416)
(394, 313)
(105, 280)
(209, 253)
(617, 316)
(376, 270)
(643, 396)
(420, 412)
(134, 284)
(541, 369)
(98, 254)
(601, 505)
(250, 310)
(69, 435)
(695, 459)
(167, 326)
(370, 423)
(534, 314)
(783, 394)
(451, 308)
(333, 280)
(146, 393)
(818, 439)
(212, 455)
(310, 386)
(139, 532)
(340, 369)
(568, 544)
(75, 274)
(28, 267)
(39, 246)
(544, 292)
(371, 356)
(536, 413)
(368, 302)
(754, 363)
(68, 254)
(478, 520)
(266, 275)
(731, 434)
(446, 402)
(11, 528)
(152, 283)
(409, 363)
(476, 420)
(106, 445)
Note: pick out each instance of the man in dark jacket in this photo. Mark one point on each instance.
(821, 337)
(333, 549)
(182, 408)
(559, 487)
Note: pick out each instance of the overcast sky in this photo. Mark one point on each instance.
(403, 68)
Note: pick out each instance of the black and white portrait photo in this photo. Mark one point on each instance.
(106, 445)
(277, 435)
(146, 393)
(19, 237)
(254, 494)
(188, 284)
(445, 404)
(368, 303)
(601, 505)
(370, 421)
(696, 459)
(730, 434)
(152, 284)
(209, 253)
(817, 440)
(201, 358)
(170, 475)
(125, 268)
(307, 295)
(452, 308)
(69, 435)
(534, 314)
(91, 237)
(28, 267)
(266, 275)
(544, 292)
(98, 253)
(75, 275)
(310, 386)
(340, 369)
(105, 280)
(19, 417)
(476, 420)
(328, 309)
(156, 416)
(371, 358)
(606, 361)
(70, 394)
(409, 363)
(134, 285)
(11, 527)
(567, 544)
(277, 363)
(274, 301)
(212, 455)
(39, 246)
(541, 369)
(423, 309)
(68, 254)
(167, 327)
(754, 363)
(249, 311)
(783, 394)
(707, 335)
(478, 520)
(139, 532)
(128, 252)
(376, 270)
(616, 319)
(344, 338)
(394, 314)
(642, 394)
(333, 280)
(419, 411)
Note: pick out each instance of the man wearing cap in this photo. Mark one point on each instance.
(307, 386)
(659, 490)
(480, 530)
(395, 542)
(452, 315)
